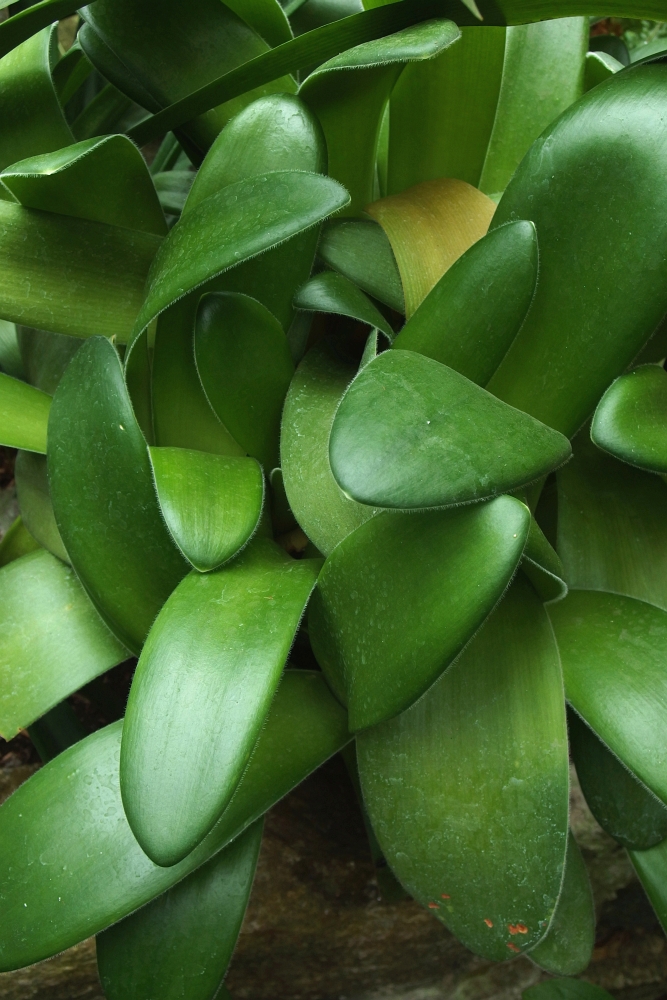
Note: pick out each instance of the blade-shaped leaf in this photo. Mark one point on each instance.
(470, 318)
(103, 496)
(52, 640)
(201, 692)
(381, 652)
(360, 250)
(334, 293)
(32, 490)
(92, 871)
(410, 432)
(631, 419)
(180, 945)
(24, 415)
(468, 790)
(211, 503)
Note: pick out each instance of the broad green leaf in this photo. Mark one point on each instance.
(542, 565)
(173, 188)
(201, 692)
(330, 292)
(32, 489)
(92, 871)
(320, 506)
(31, 20)
(52, 640)
(245, 366)
(379, 651)
(16, 542)
(349, 94)
(32, 119)
(651, 866)
(103, 496)
(566, 989)
(568, 946)
(621, 804)
(599, 67)
(410, 432)
(71, 275)
(10, 355)
(429, 226)
(211, 503)
(580, 340)
(24, 415)
(631, 419)
(468, 790)
(613, 651)
(360, 250)
(471, 316)
(104, 180)
(267, 17)
(180, 944)
(648, 51)
(45, 356)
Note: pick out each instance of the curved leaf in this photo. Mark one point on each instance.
(651, 866)
(24, 415)
(173, 188)
(32, 490)
(180, 945)
(211, 503)
(542, 565)
(45, 356)
(599, 67)
(468, 790)
(92, 871)
(104, 498)
(52, 640)
(410, 432)
(360, 250)
(31, 20)
(380, 652)
(333, 293)
(10, 355)
(267, 17)
(16, 542)
(630, 419)
(201, 692)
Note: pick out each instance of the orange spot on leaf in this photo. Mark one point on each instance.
(512, 928)
(513, 947)
(445, 896)
(522, 929)
(489, 923)
(434, 906)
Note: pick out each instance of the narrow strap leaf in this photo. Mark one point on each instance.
(24, 415)
(31, 20)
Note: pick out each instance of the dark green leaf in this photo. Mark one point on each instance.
(566, 989)
(24, 415)
(267, 17)
(10, 355)
(630, 421)
(542, 565)
(173, 188)
(333, 293)
(45, 356)
(32, 489)
(56, 731)
(360, 250)
(651, 866)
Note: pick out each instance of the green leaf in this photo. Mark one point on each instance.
(211, 503)
(524, 11)
(333, 293)
(56, 731)
(468, 790)
(10, 355)
(320, 506)
(621, 804)
(24, 415)
(629, 422)
(103, 496)
(542, 565)
(70, 73)
(267, 17)
(45, 356)
(245, 366)
(568, 946)
(92, 871)
(599, 67)
(380, 652)
(173, 188)
(16, 542)
(180, 945)
(201, 693)
(470, 318)
(410, 432)
(566, 989)
(32, 490)
(651, 866)
(571, 328)
(360, 250)
(104, 180)
(52, 641)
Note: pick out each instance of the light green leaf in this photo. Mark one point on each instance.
(180, 945)
(32, 490)
(92, 870)
(542, 565)
(566, 989)
(333, 293)
(380, 652)
(599, 67)
(320, 506)
(10, 355)
(103, 496)
(468, 790)
(201, 692)
(360, 250)
(245, 366)
(631, 419)
(410, 432)
(52, 641)
(16, 542)
(211, 503)
(24, 415)
(470, 318)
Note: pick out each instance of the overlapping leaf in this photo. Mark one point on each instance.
(631, 419)
(360, 250)
(32, 490)
(24, 415)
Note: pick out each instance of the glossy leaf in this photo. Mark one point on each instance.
(631, 419)
(359, 250)
(599, 67)
(429, 227)
(104, 498)
(468, 790)
(245, 366)
(92, 871)
(380, 652)
(267, 17)
(180, 944)
(320, 506)
(45, 356)
(211, 503)
(28, 22)
(32, 490)
(16, 542)
(568, 946)
(52, 642)
(24, 415)
(571, 329)
(470, 318)
(410, 432)
(565, 989)
(201, 693)
(621, 804)
(542, 565)
(333, 293)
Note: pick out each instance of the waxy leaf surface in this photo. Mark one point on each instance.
(24, 415)
(330, 292)
(360, 250)
(542, 565)
(631, 419)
